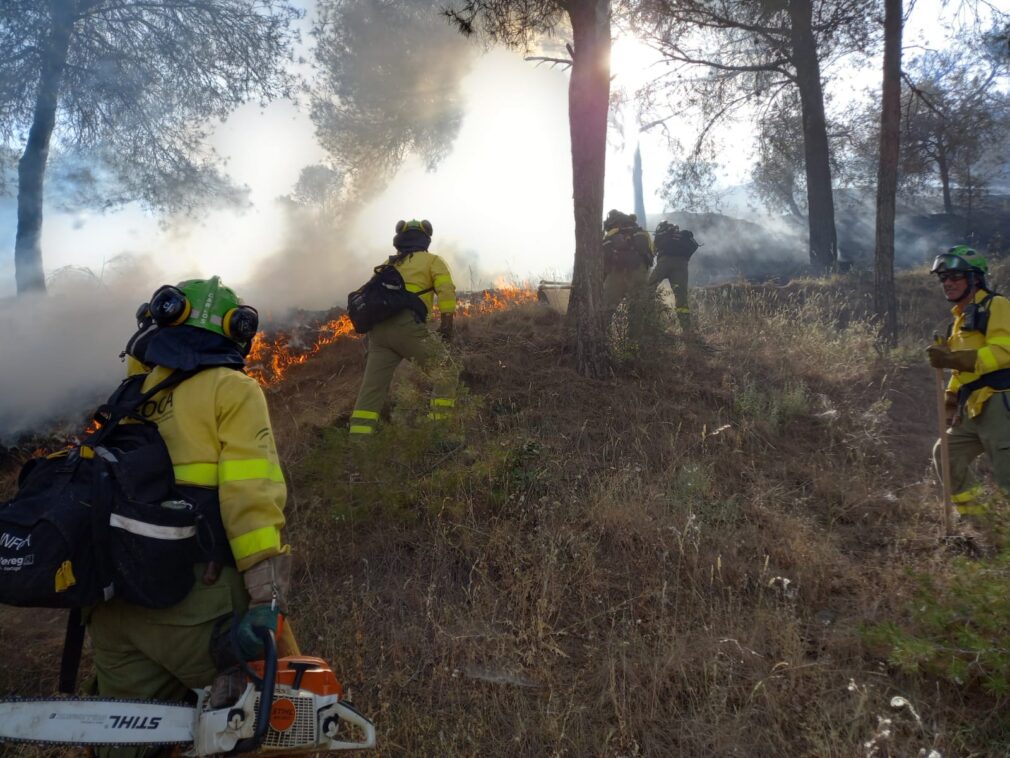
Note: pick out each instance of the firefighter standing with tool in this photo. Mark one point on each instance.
(217, 430)
(627, 258)
(674, 248)
(977, 349)
(406, 335)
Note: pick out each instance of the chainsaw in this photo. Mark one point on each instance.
(290, 704)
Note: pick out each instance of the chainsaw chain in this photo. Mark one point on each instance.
(26, 741)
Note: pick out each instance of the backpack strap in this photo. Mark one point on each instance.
(381, 266)
(73, 644)
(115, 410)
(172, 380)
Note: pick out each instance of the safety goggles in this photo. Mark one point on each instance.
(952, 276)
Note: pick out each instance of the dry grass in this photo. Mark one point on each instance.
(678, 560)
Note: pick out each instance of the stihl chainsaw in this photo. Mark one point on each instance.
(290, 704)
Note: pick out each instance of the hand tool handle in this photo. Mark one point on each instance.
(941, 415)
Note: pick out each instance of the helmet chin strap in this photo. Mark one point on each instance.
(969, 293)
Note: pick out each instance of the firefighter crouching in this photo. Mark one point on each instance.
(217, 430)
(627, 257)
(978, 352)
(404, 335)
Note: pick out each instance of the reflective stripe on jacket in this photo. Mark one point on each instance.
(627, 247)
(218, 433)
(993, 348)
(426, 271)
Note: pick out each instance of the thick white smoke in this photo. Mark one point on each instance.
(59, 352)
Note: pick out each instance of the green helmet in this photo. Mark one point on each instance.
(423, 226)
(960, 258)
(205, 304)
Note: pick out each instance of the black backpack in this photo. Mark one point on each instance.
(620, 250)
(381, 297)
(676, 243)
(103, 519)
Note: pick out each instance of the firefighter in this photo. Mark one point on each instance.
(627, 257)
(405, 335)
(978, 352)
(217, 430)
(674, 248)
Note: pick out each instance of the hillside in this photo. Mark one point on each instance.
(688, 558)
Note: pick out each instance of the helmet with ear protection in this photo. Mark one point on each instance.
(203, 303)
(424, 225)
(169, 306)
(241, 323)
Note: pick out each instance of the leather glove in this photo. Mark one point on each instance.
(445, 328)
(267, 584)
(941, 356)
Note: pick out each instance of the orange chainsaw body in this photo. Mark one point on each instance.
(304, 672)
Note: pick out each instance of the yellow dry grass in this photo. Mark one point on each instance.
(677, 560)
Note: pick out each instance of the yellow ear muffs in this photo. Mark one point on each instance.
(169, 306)
(241, 323)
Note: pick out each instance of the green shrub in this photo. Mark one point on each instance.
(959, 627)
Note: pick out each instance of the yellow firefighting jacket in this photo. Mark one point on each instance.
(425, 271)
(993, 348)
(217, 430)
(627, 248)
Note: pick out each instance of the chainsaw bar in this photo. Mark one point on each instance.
(95, 721)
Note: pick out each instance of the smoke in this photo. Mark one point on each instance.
(388, 85)
(314, 269)
(59, 352)
(733, 248)
(763, 247)
(325, 256)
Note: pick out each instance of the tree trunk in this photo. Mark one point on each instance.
(636, 180)
(884, 298)
(28, 270)
(588, 101)
(789, 195)
(820, 202)
(968, 219)
(944, 167)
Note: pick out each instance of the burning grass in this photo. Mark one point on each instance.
(272, 355)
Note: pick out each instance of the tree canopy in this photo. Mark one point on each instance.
(144, 83)
(388, 83)
(133, 87)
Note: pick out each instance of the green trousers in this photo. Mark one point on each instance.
(624, 283)
(675, 271)
(389, 343)
(987, 433)
(148, 654)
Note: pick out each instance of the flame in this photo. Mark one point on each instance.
(271, 357)
(69, 440)
(488, 301)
